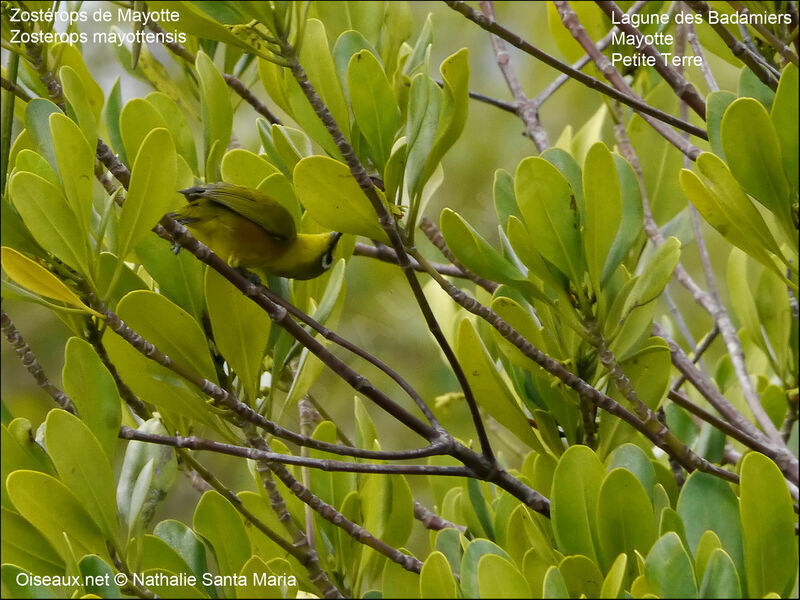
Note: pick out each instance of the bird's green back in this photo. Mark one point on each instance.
(251, 204)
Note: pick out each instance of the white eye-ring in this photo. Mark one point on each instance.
(327, 260)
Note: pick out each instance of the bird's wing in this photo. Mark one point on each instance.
(255, 206)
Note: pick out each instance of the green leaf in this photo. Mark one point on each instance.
(179, 276)
(56, 512)
(499, 578)
(68, 54)
(424, 102)
(113, 110)
(492, 392)
(170, 329)
(178, 126)
(633, 458)
(554, 585)
(574, 497)
(242, 167)
(624, 518)
(216, 114)
(28, 160)
(388, 507)
(151, 191)
(76, 164)
(217, 521)
(603, 202)
(753, 152)
(137, 119)
(660, 169)
(397, 582)
(148, 472)
(241, 330)
(470, 561)
(334, 199)
(716, 105)
(75, 93)
(765, 509)
(23, 545)
(315, 56)
(374, 105)
(185, 542)
(721, 579)
(10, 575)
(31, 275)
(37, 125)
(94, 569)
(727, 209)
(655, 275)
(708, 503)
(669, 570)
(453, 112)
(548, 207)
(93, 391)
(476, 253)
(784, 119)
(436, 579)
(630, 227)
(50, 220)
(613, 584)
(582, 576)
(708, 543)
(348, 43)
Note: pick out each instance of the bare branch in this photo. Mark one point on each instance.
(630, 100)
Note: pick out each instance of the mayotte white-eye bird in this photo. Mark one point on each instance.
(250, 229)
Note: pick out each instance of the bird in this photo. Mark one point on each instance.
(249, 229)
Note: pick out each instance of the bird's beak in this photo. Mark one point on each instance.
(336, 236)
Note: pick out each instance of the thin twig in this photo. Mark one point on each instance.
(698, 353)
(650, 427)
(712, 305)
(31, 363)
(389, 225)
(170, 229)
(233, 82)
(585, 59)
(697, 50)
(779, 453)
(387, 255)
(610, 72)
(634, 102)
(683, 88)
(739, 50)
(527, 110)
(781, 48)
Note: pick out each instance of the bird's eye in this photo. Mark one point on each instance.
(327, 260)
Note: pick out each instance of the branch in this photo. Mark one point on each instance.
(680, 451)
(526, 109)
(739, 50)
(573, 25)
(389, 225)
(322, 464)
(712, 305)
(633, 101)
(477, 463)
(234, 83)
(682, 87)
(698, 51)
(31, 363)
(781, 48)
(385, 254)
(785, 460)
(649, 427)
(584, 60)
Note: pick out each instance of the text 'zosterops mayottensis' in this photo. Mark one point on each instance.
(250, 229)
